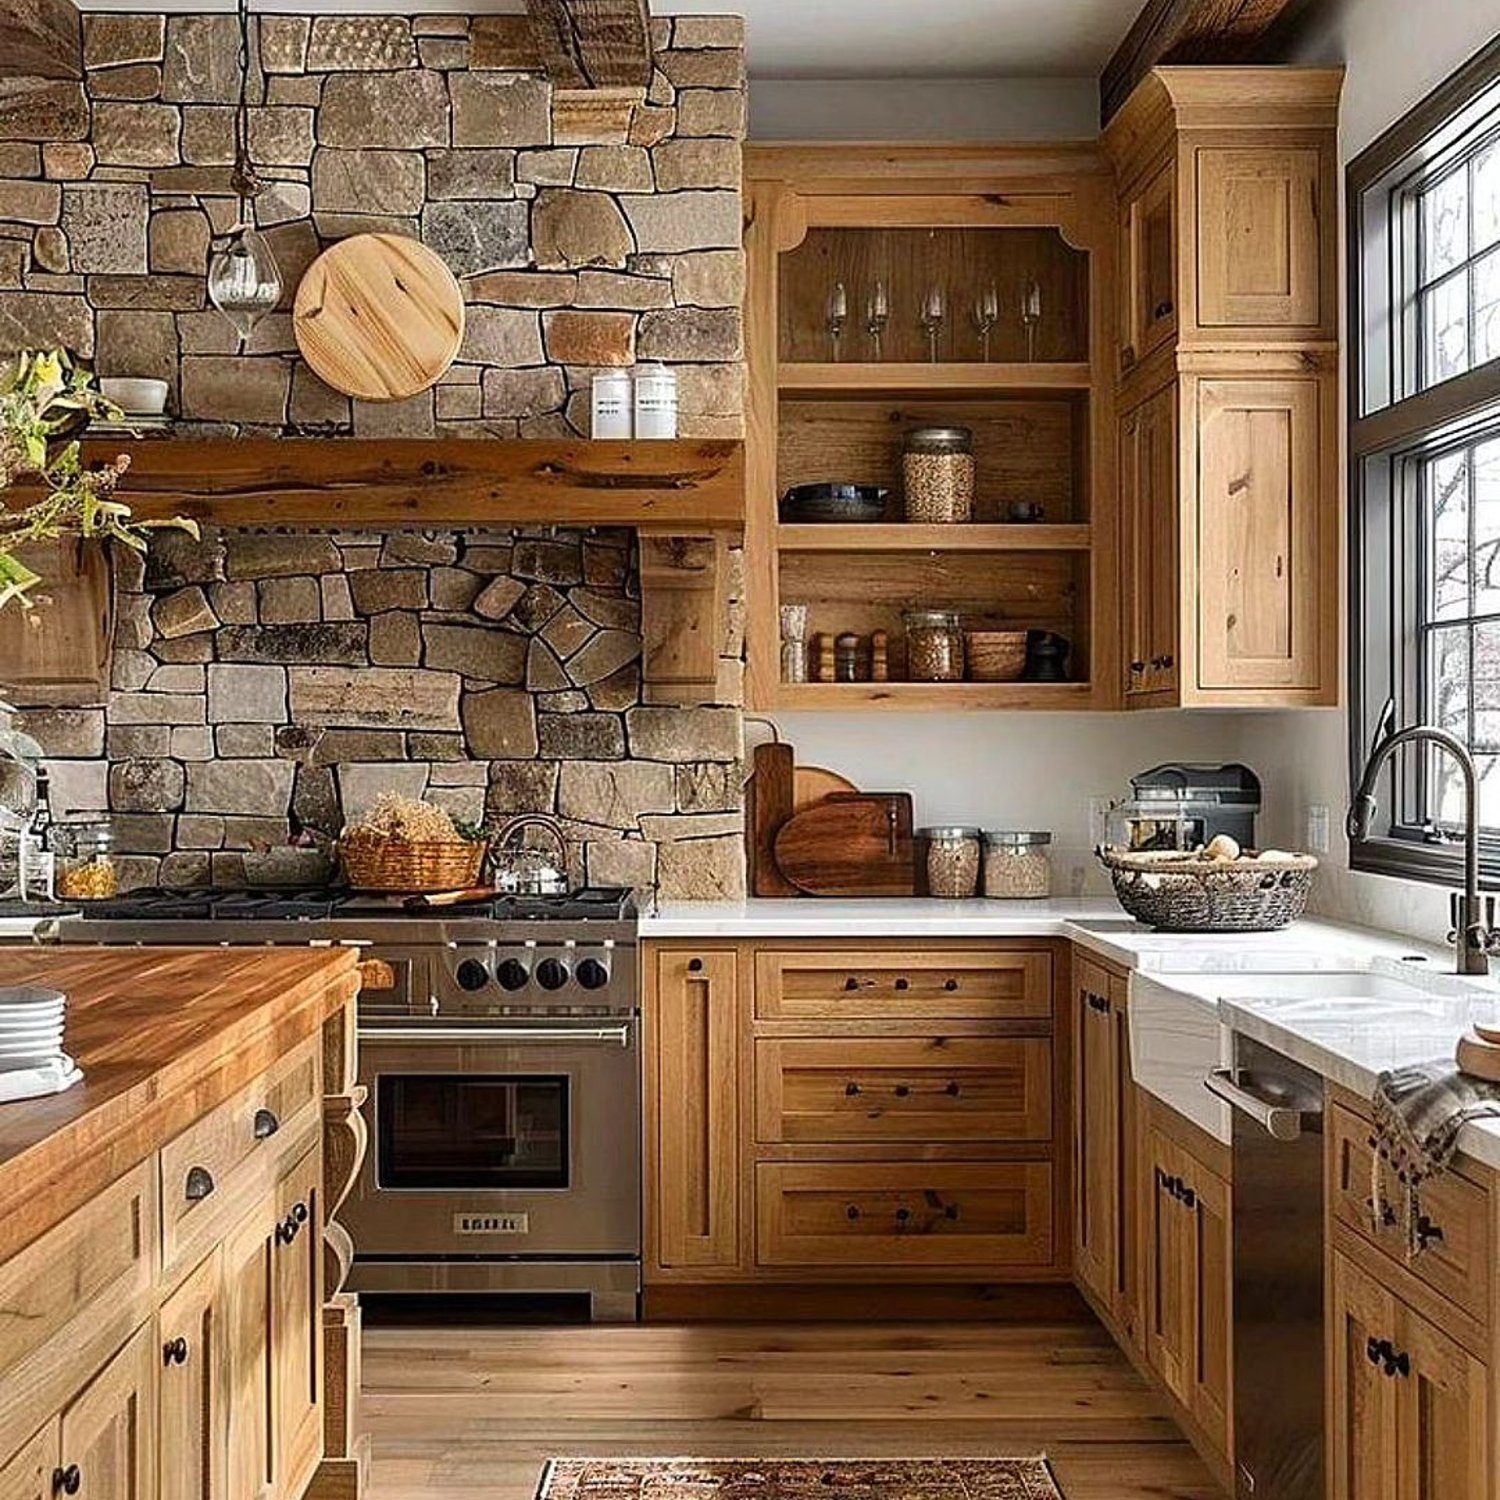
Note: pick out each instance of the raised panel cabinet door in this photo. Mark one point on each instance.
(28, 1474)
(247, 1391)
(191, 1422)
(1442, 1424)
(1259, 256)
(1362, 1455)
(1139, 566)
(1168, 1289)
(1150, 500)
(1126, 1271)
(692, 1111)
(108, 1443)
(1149, 306)
(1205, 1203)
(67, 661)
(297, 1325)
(1261, 533)
(1095, 1135)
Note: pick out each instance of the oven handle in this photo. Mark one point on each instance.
(479, 1035)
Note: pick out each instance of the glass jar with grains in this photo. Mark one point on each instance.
(85, 861)
(1017, 865)
(934, 645)
(937, 473)
(952, 862)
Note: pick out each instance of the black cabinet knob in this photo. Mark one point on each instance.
(472, 975)
(952, 1090)
(902, 1215)
(851, 1213)
(199, 1184)
(266, 1124)
(552, 973)
(902, 1090)
(903, 984)
(851, 983)
(695, 966)
(512, 974)
(593, 974)
(67, 1481)
(851, 1090)
(174, 1352)
(299, 1213)
(950, 985)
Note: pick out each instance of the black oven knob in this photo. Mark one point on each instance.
(472, 975)
(552, 973)
(592, 974)
(512, 974)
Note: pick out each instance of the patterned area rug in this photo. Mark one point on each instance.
(797, 1479)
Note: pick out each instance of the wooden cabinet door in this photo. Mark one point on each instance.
(1206, 1205)
(1096, 1135)
(1167, 1269)
(297, 1325)
(1150, 499)
(191, 1424)
(108, 1439)
(1442, 1425)
(1148, 305)
(1259, 254)
(692, 1108)
(1362, 1462)
(247, 1355)
(1264, 533)
(29, 1473)
(59, 652)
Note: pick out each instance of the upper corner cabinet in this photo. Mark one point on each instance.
(965, 289)
(1227, 385)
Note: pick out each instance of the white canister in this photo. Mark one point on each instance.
(655, 401)
(610, 392)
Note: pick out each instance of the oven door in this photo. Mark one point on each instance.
(514, 1139)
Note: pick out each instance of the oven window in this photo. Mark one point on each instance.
(462, 1130)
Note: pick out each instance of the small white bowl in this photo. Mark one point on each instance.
(135, 395)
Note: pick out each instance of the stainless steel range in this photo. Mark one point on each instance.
(502, 1061)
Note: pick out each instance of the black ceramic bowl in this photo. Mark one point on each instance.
(833, 503)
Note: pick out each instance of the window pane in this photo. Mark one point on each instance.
(1486, 275)
(1488, 767)
(1445, 326)
(1486, 669)
(1448, 536)
(1445, 225)
(1486, 566)
(1448, 708)
(1486, 208)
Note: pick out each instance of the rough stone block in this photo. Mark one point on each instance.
(691, 335)
(477, 172)
(136, 135)
(360, 43)
(178, 242)
(703, 112)
(40, 320)
(523, 288)
(523, 393)
(377, 590)
(291, 601)
(475, 651)
(332, 642)
(501, 109)
(702, 869)
(474, 236)
(547, 167)
(208, 134)
(385, 182)
(259, 787)
(501, 336)
(67, 161)
(395, 639)
(32, 111)
(146, 785)
(374, 697)
(500, 724)
(243, 694)
(709, 278)
(281, 135)
(685, 734)
(202, 59)
(254, 555)
(227, 389)
(109, 40)
(406, 110)
(155, 708)
(590, 338)
(581, 736)
(106, 226)
(617, 289)
(571, 228)
(283, 43)
(671, 223)
(604, 655)
(518, 786)
(690, 162)
(613, 794)
(133, 81)
(26, 202)
(186, 612)
(718, 68)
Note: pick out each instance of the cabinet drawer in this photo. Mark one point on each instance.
(236, 1148)
(904, 1089)
(903, 1217)
(855, 985)
(1456, 1261)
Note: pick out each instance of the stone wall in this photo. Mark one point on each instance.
(262, 679)
(578, 246)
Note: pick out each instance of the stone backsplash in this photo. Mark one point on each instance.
(580, 243)
(265, 679)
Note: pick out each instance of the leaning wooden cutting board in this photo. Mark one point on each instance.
(856, 844)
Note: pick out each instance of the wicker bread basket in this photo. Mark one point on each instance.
(1187, 893)
(380, 864)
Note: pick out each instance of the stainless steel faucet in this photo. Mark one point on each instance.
(1471, 933)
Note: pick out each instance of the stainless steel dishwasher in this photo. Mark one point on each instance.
(1278, 1272)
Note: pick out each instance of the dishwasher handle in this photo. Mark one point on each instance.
(1280, 1121)
(478, 1036)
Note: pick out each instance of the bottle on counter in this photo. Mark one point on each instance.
(655, 401)
(610, 396)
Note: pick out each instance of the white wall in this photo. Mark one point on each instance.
(1396, 52)
(924, 109)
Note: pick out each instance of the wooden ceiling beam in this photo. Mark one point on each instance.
(589, 44)
(40, 39)
(1187, 31)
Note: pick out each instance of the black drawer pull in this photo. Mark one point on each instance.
(1427, 1232)
(199, 1184)
(266, 1124)
(1187, 1197)
(1162, 309)
(950, 985)
(174, 1352)
(952, 1090)
(851, 1213)
(902, 1215)
(851, 983)
(951, 1211)
(67, 1481)
(299, 1213)
(695, 966)
(1373, 1350)
(851, 1090)
(903, 984)
(902, 1090)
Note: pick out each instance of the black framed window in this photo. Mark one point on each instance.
(1424, 448)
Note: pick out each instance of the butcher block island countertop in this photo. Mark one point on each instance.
(162, 1035)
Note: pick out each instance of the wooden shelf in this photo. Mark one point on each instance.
(899, 536)
(950, 378)
(919, 696)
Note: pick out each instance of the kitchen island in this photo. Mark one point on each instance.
(162, 1226)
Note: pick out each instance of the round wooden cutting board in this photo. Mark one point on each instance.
(379, 317)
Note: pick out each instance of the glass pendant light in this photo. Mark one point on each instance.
(244, 282)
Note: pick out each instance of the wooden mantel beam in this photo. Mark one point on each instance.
(1186, 31)
(40, 39)
(591, 44)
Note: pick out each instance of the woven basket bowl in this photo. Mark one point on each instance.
(1181, 893)
(995, 655)
(391, 865)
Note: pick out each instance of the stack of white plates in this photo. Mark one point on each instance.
(32, 1060)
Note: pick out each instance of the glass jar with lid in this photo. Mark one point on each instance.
(937, 471)
(86, 869)
(934, 645)
(1017, 865)
(952, 861)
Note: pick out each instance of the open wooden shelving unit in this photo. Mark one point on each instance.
(961, 218)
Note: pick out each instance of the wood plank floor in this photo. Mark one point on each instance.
(474, 1412)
